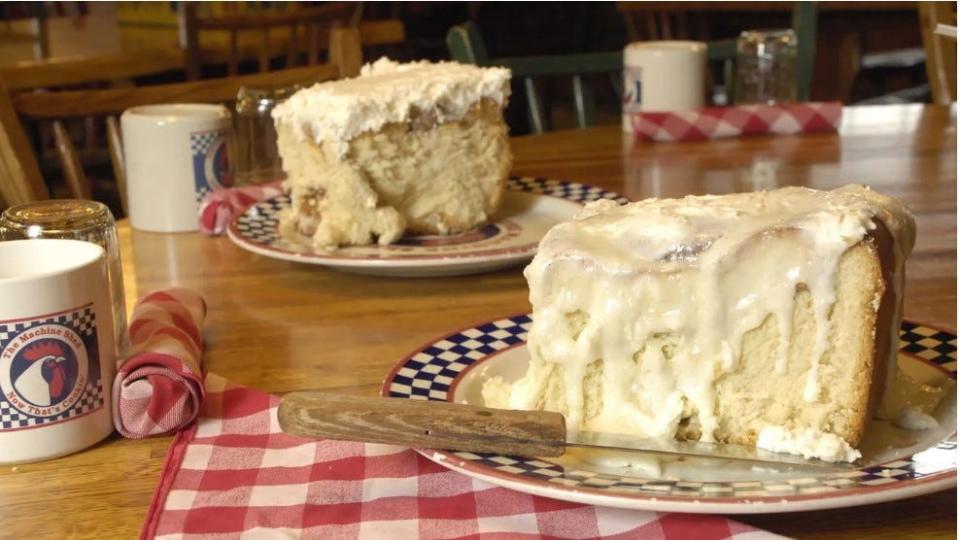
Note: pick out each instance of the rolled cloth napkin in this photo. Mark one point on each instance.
(159, 386)
(720, 122)
(219, 207)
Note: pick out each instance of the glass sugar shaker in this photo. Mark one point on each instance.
(254, 156)
(766, 70)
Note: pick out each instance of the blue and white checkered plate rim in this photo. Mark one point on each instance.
(454, 367)
(529, 208)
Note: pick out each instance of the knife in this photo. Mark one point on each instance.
(440, 424)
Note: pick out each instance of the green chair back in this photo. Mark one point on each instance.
(466, 45)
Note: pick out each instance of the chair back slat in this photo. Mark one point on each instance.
(190, 32)
(941, 51)
(233, 62)
(313, 40)
(539, 120)
(264, 57)
(292, 46)
(115, 145)
(346, 52)
(466, 45)
(650, 21)
(76, 180)
(584, 102)
(805, 27)
(665, 28)
(22, 181)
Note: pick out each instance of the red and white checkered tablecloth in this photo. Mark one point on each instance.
(234, 474)
(720, 122)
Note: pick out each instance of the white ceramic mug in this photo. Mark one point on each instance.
(174, 155)
(663, 76)
(57, 350)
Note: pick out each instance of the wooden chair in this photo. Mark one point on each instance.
(26, 25)
(18, 161)
(465, 44)
(650, 22)
(941, 51)
(46, 75)
(304, 29)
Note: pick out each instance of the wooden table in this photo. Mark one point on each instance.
(280, 326)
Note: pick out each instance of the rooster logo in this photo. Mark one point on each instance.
(211, 161)
(46, 371)
(49, 375)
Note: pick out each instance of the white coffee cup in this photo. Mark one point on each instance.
(57, 350)
(663, 76)
(174, 155)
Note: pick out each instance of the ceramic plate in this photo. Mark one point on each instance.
(900, 463)
(530, 207)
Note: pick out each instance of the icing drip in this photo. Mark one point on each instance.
(807, 443)
(650, 301)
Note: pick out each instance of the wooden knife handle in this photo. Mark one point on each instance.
(423, 424)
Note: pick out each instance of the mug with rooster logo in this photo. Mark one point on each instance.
(174, 155)
(57, 350)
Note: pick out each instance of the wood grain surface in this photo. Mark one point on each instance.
(423, 424)
(281, 326)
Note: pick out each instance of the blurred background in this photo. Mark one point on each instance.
(861, 53)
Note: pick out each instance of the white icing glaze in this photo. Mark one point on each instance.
(495, 392)
(670, 267)
(387, 92)
(915, 419)
(807, 443)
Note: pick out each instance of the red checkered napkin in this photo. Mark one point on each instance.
(719, 122)
(235, 475)
(159, 387)
(219, 207)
